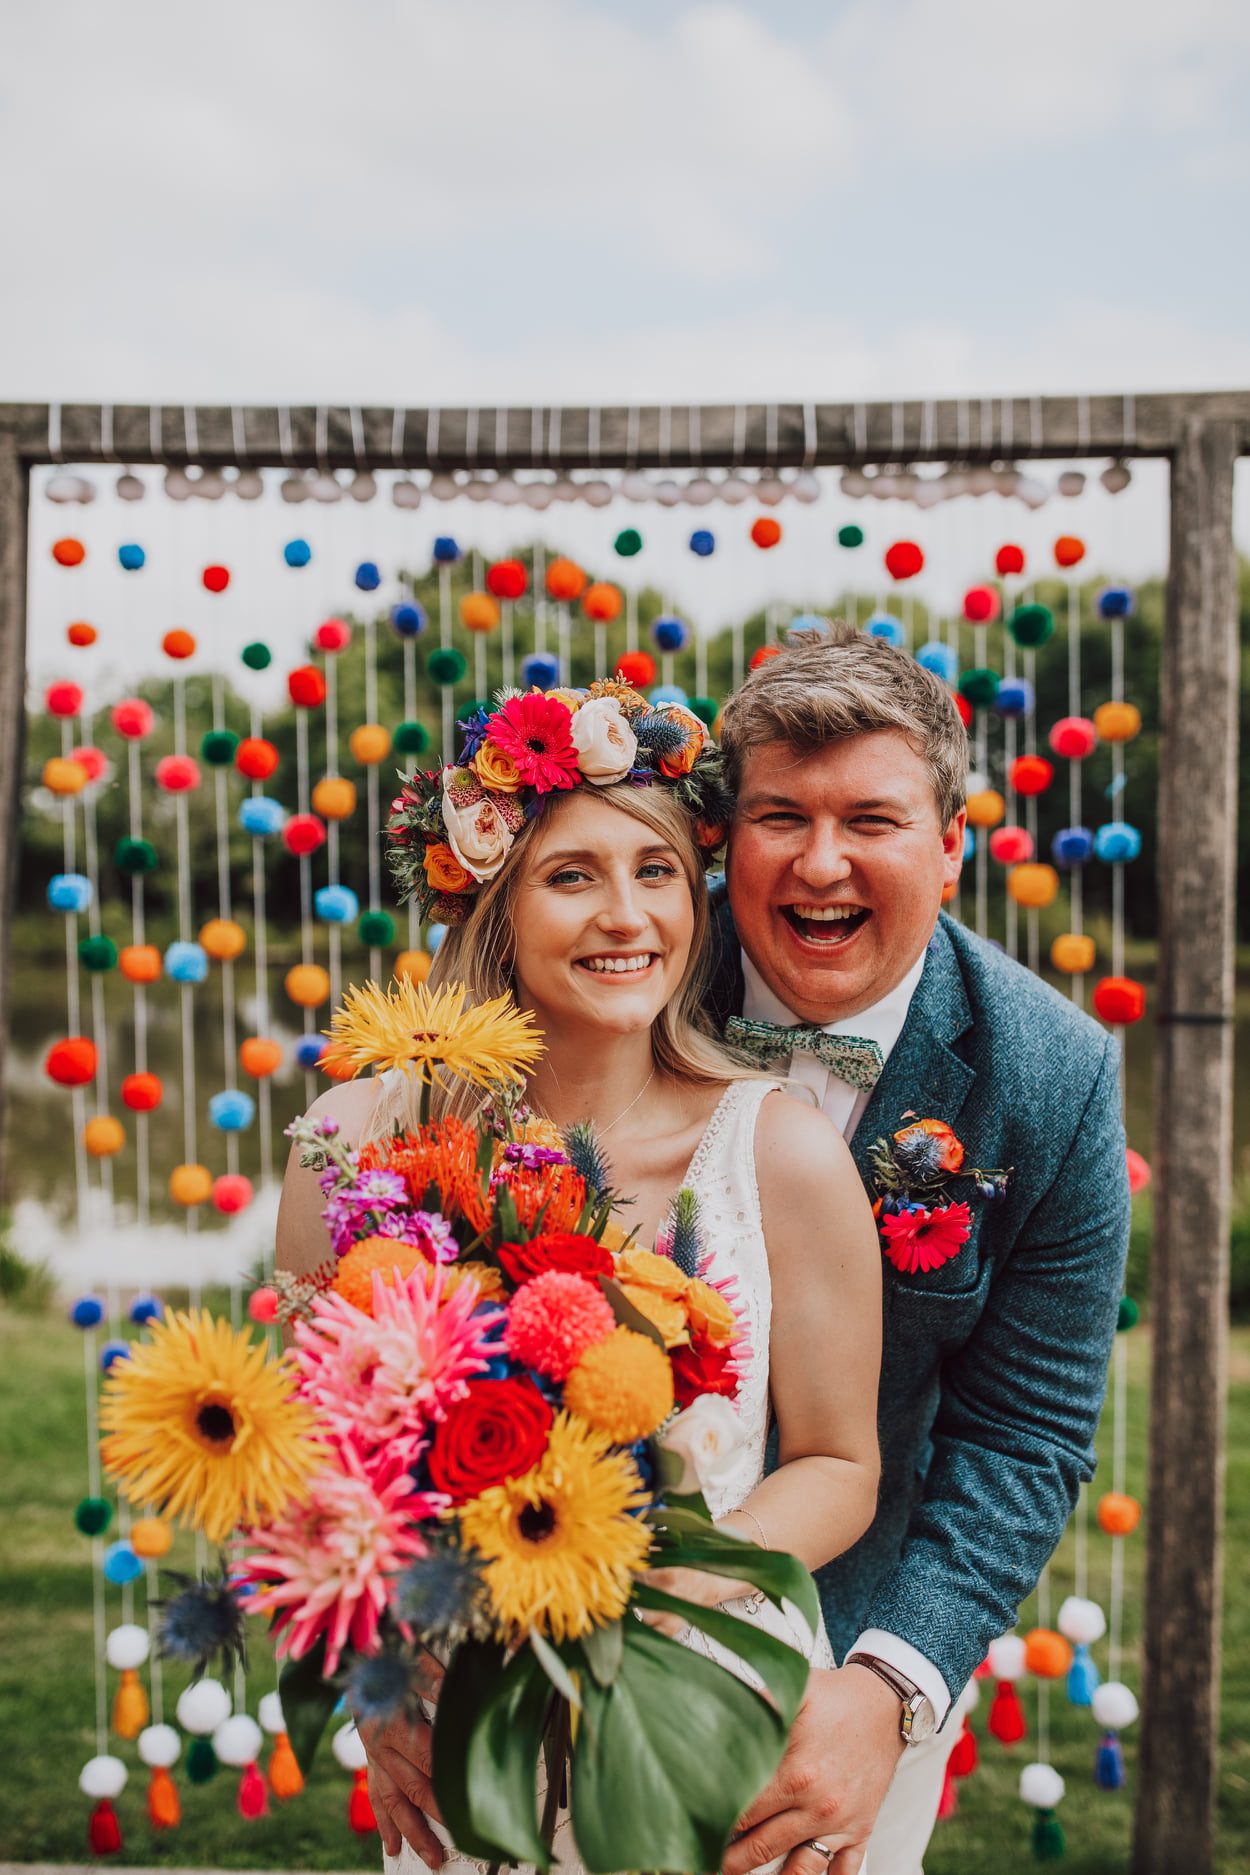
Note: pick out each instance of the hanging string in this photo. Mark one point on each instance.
(700, 662)
(507, 643)
(99, 1022)
(78, 1101)
(260, 940)
(980, 757)
(139, 990)
(305, 882)
(631, 619)
(540, 597)
(371, 790)
(1012, 933)
(1032, 919)
(1077, 886)
(335, 934)
(1043, 1683)
(446, 691)
(564, 640)
(481, 680)
(410, 716)
(1119, 1477)
(186, 992)
(95, 1489)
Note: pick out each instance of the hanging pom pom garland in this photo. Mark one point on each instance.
(349, 1750)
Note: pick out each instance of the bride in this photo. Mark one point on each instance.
(597, 920)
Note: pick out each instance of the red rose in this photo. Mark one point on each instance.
(702, 1370)
(565, 1250)
(497, 1431)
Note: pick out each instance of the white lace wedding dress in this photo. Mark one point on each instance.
(722, 1174)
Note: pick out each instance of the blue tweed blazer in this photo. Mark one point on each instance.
(994, 1365)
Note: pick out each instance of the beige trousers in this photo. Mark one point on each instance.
(906, 1818)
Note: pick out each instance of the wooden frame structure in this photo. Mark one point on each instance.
(1201, 436)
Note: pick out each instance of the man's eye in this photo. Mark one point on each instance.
(873, 820)
(780, 820)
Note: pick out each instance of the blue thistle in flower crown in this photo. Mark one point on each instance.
(379, 1687)
(202, 1622)
(659, 735)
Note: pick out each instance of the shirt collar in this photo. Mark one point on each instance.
(882, 1022)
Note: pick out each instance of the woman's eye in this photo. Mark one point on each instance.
(657, 870)
(570, 875)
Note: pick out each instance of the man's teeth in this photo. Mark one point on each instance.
(826, 914)
(616, 965)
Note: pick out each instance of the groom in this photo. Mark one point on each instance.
(848, 762)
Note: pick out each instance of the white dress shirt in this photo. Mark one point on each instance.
(844, 1105)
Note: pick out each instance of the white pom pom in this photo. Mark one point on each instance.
(538, 495)
(505, 491)
(477, 489)
(326, 487)
(667, 493)
(348, 1747)
(1042, 1786)
(102, 1777)
(127, 1646)
(1071, 483)
(977, 781)
(1081, 1622)
(733, 491)
(159, 1745)
(444, 487)
(805, 487)
(270, 1713)
(1007, 1657)
(1116, 478)
(238, 1740)
(699, 491)
(635, 486)
(363, 486)
(177, 484)
(1114, 1707)
(770, 489)
(248, 485)
(129, 488)
(596, 494)
(405, 494)
(294, 488)
(202, 1707)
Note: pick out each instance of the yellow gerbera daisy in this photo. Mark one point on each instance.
(558, 1545)
(202, 1424)
(420, 1029)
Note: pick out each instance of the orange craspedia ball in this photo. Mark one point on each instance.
(80, 633)
(1073, 953)
(308, 985)
(763, 654)
(1069, 550)
(565, 580)
(150, 1538)
(178, 644)
(103, 1136)
(1046, 1654)
(64, 777)
(139, 963)
(369, 744)
(478, 612)
(1031, 774)
(334, 797)
(353, 1278)
(260, 1057)
(1117, 722)
(765, 531)
(1118, 1513)
(190, 1184)
(602, 602)
(1120, 999)
(223, 939)
(1033, 885)
(68, 552)
(986, 808)
(415, 965)
(142, 1092)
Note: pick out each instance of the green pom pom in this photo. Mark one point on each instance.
(980, 687)
(217, 746)
(1129, 1315)
(376, 928)
(201, 1760)
(135, 856)
(446, 665)
(705, 708)
(411, 739)
(1031, 624)
(852, 535)
(628, 542)
(93, 1515)
(97, 953)
(257, 657)
(467, 710)
(1048, 1841)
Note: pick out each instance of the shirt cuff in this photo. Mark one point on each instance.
(909, 1662)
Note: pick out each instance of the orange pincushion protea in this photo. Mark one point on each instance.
(444, 1154)
(353, 1279)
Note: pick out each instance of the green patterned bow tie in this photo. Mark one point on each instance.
(852, 1058)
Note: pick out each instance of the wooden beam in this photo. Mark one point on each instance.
(14, 488)
(1193, 1161)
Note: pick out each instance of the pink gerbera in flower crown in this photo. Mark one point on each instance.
(533, 732)
(924, 1240)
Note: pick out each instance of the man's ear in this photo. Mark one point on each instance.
(953, 848)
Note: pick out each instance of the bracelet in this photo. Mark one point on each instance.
(750, 1515)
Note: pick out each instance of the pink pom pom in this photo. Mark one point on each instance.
(232, 1192)
(63, 699)
(981, 605)
(1139, 1173)
(332, 635)
(1011, 845)
(177, 774)
(262, 1306)
(1074, 737)
(133, 718)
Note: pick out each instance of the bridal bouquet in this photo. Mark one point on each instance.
(498, 1415)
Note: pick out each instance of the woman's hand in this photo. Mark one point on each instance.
(691, 1585)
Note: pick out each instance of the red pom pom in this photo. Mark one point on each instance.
(103, 1832)
(359, 1809)
(763, 654)
(1011, 846)
(332, 635)
(71, 1063)
(262, 1306)
(232, 1192)
(1074, 737)
(766, 532)
(95, 761)
(1120, 999)
(1031, 774)
(965, 710)
(1138, 1171)
(507, 579)
(80, 633)
(253, 1797)
(303, 834)
(177, 774)
(1069, 550)
(142, 1093)
(216, 578)
(903, 560)
(981, 604)
(68, 552)
(948, 1802)
(256, 758)
(132, 718)
(963, 1759)
(307, 687)
(1009, 559)
(1006, 1720)
(636, 668)
(63, 699)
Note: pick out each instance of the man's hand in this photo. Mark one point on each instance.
(400, 1769)
(830, 1785)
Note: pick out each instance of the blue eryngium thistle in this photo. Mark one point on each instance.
(659, 733)
(440, 1594)
(378, 1688)
(585, 1155)
(203, 1621)
(684, 1245)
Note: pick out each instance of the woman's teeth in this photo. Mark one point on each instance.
(616, 966)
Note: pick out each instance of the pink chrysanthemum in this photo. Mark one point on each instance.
(322, 1569)
(924, 1240)
(554, 1319)
(390, 1375)
(533, 731)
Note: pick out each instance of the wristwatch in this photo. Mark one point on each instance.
(917, 1721)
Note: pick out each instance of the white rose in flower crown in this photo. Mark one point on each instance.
(605, 743)
(477, 835)
(707, 1438)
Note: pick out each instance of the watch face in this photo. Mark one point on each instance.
(923, 1722)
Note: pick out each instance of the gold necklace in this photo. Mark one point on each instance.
(603, 1131)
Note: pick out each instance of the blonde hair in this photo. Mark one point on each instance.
(480, 954)
(820, 689)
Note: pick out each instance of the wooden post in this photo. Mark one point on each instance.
(14, 478)
(1193, 1164)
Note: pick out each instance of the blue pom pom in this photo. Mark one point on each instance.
(885, 626)
(446, 552)
(121, 1565)
(87, 1312)
(434, 937)
(1015, 697)
(942, 660)
(1109, 1764)
(131, 556)
(186, 963)
(667, 693)
(810, 624)
(297, 553)
(1117, 843)
(1116, 602)
(70, 891)
(1084, 1678)
(337, 904)
(368, 578)
(146, 1309)
(669, 634)
(309, 1049)
(970, 843)
(1072, 846)
(703, 542)
(261, 816)
(231, 1111)
(540, 670)
(408, 619)
(113, 1351)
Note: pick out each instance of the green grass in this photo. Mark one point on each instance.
(47, 1700)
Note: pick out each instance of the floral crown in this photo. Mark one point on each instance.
(450, 829)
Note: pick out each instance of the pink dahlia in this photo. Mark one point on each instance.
(924, 1240)
(322, 1569)
(389, 1376)
(533, 732)
(554, 1319)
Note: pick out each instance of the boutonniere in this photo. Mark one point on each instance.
(922, 1225)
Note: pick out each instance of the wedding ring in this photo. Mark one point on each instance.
(821, 1848)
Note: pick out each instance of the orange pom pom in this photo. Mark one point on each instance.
(223, 939)
(764, 653)
(286, 1780)
(68, 552)
(178, 644)
(1118, 1514)
(353, 1278)
(130, 1705)
(139, 963)
(478, 612)
(565, 580)
(1046, 1654)
(986, 808)
(151, 1538)
(259, 1057)
(334, 798)
(1069, 550)
(190, 1184)
(415, 965)
(80, 633)
(369, 744)
(103, 1136)
(766, 532)
(1072, 953)
(164, 1809)
(602, 603)
(1033, 885)
(1117, 722)
(64, 777)
(308, 985)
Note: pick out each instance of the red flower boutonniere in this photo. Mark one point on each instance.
(921, 1226)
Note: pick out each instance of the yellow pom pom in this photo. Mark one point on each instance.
(308, 985)
(103, 1136)
(130, 1705)
(1033, 885)
(478, 612)
(986, 809)
(61, 776)
(334, 798)
(369, 744)
(190, 1184)
(151, 1538)
(1072, 953)
(1117, 722)
(415, 965)
(223, 939)
(623, 1386)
